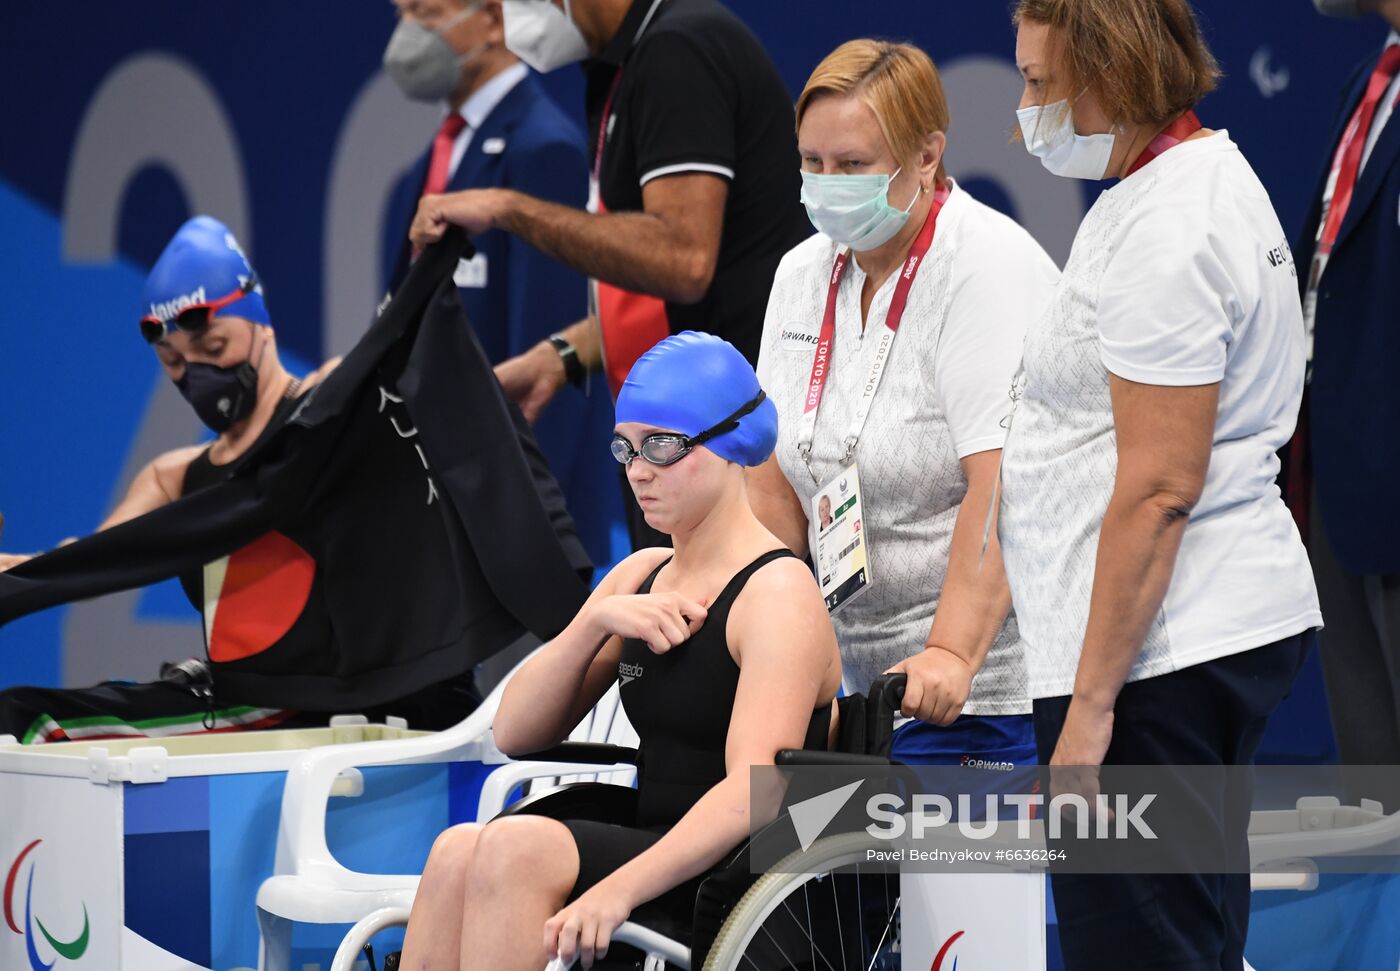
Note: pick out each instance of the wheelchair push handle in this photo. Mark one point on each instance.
(887, 692)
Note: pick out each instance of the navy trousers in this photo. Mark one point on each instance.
(1207, 714)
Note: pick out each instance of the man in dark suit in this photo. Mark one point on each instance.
(1347, 454)
(501, 130)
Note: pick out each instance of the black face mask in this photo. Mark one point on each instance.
(221, 396)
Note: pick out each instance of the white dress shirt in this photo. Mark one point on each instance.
(478, 107)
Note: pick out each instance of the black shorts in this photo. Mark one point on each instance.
(603, 848)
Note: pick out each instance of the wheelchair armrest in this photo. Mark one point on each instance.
(803, 756)
(301, 844)
(597, 801)
(505, 779)
(592, 753)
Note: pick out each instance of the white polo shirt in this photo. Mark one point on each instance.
(943, 397)
(1180, 275)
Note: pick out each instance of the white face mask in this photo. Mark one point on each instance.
(854, 210)
(1048, 131)
(542, 35)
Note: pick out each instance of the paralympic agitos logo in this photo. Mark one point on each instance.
(943, 953)
(69, 950)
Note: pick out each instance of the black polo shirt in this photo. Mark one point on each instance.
(698, 93)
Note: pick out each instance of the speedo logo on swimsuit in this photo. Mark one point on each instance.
(972, 763)
(628, 672)
(170, 309)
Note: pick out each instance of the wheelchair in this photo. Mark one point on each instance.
(836, 912)
(828, 908)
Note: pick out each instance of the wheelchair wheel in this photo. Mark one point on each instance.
(840, 913)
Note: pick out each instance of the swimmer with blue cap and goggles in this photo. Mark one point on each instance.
(691, 391)
(204, 314)
(202, 311)
(724, 654)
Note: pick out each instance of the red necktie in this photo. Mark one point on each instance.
(1359, 129)
(441, 158)
(1352, 146)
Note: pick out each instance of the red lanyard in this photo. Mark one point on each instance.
(821, 361)
(1174, 134)
(603, 125)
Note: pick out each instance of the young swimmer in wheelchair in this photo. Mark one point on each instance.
(725, 655)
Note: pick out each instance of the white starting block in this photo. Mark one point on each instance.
(147, 855)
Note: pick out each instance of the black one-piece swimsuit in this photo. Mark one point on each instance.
(680, 703)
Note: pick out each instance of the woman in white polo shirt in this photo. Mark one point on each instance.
(906, 360)
(1162, 589)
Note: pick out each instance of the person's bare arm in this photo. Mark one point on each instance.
(156, 485)
(315, 376)
(564, 680)
(668, 250)
(532, 378)
(971, 608)
(776, 504)
(1164, 437)
(161, 481)
(8, 560)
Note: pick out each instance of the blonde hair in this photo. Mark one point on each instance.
(1145, 60)
(898, 82)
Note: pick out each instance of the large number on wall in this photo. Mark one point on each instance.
(154, 109)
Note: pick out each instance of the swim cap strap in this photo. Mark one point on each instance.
(730, 423)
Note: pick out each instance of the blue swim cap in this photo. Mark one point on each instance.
(691, 382)
(200, 264)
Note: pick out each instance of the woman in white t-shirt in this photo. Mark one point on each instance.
(1163, 592)
(887, 478)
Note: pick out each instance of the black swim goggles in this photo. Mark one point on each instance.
(196, 316)
(668, 448)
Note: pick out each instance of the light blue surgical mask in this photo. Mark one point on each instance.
(854, 210)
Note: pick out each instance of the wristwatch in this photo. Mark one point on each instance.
(573, 367)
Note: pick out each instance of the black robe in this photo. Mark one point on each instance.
(401, 526)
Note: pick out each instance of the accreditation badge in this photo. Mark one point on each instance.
(843, 567)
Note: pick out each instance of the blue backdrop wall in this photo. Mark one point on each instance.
(121, 119)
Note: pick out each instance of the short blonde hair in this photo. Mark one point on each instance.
(898, 82)
(1145, 60)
